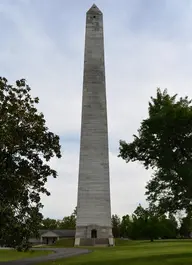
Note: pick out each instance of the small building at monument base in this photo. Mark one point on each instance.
(49, 237)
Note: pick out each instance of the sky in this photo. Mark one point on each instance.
(148, 44)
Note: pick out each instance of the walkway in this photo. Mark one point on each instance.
(59, 254)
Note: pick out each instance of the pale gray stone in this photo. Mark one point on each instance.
(94, 206)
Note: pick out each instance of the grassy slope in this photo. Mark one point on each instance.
(6, 255)
(136, 253)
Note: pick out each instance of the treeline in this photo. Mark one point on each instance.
(142, 224)
(148, 224)
(68, 222)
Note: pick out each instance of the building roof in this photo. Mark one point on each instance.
(59, 232)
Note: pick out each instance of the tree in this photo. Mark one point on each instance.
(126, 226)
(168, 226)
(146, 224)
(49, 223)
(172, 226)
(139, 223)
(75, 212)
(116, 222)
(186, 226)
(164, 143)
(149, 224)
(69, 222)
(26, 147)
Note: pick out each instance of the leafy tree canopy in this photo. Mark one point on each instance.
(186, 226)
(68, 222)
(145, 223)
(115, 221)
(26, 147)
(164, 143)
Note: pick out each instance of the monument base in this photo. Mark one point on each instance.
(108, 242)
(94, 235)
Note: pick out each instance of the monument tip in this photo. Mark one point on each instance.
(94, 9)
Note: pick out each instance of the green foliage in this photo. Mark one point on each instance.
(26, 147)
(146, 224)
(116, 221)
(75, 212)
(48, 223)
(164, 143)
(68, 222)
(186, 226)
(126, 226)
(9, 255)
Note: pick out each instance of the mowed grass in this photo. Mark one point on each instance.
(62, 243)
(7, 254)
(135, 253)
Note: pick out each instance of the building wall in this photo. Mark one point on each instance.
(49, 240)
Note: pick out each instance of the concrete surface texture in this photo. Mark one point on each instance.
(94, 206)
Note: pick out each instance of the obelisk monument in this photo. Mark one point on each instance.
(93, 225)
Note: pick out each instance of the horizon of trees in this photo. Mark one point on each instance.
(163, 143)
(143, 223)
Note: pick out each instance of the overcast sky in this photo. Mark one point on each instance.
(148, 44)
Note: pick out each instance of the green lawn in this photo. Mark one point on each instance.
(135, 253)
(67, 243)
(6, 254)
(62, 243)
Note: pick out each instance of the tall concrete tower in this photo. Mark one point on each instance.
(93, 224)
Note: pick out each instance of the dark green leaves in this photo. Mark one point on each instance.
(25, 146)
(164, 143)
